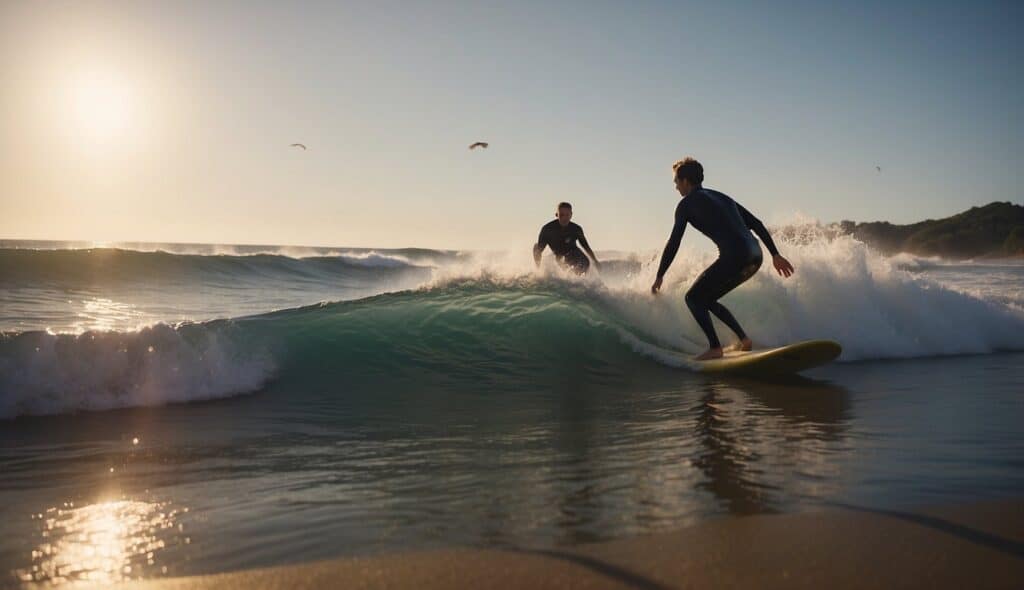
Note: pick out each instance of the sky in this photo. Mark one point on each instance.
(171, 121)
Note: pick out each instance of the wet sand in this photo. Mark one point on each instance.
(973, 546)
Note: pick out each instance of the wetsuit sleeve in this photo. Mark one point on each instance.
(755, 225)
(673, 241)
(586, 246)
(538, 248)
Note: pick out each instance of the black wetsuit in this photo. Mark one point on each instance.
(728, 225)
(562, 241)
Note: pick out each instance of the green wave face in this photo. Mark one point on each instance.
(470, 333)
(469, 336)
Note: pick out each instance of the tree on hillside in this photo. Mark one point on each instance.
(996, 229)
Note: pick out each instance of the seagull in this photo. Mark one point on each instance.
(297, 145)
(482, 144)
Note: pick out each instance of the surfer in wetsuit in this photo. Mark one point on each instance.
(728, 225)
(561, 235)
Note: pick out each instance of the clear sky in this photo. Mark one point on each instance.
(171, 121)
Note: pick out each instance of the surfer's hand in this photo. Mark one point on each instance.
(656, 286)
(782, 266)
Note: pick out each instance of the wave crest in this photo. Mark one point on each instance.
(42, 373)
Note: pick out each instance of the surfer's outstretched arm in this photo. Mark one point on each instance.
(586, 248)
(755, 225)
(672, 247)
(538, 248)
(782, 265)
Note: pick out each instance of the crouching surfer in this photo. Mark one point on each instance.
(561, 235)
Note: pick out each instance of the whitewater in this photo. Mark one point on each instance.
(102, 328)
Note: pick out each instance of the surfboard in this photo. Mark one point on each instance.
(791, 358)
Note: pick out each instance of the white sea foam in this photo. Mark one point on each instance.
(842, 290)
(42, 373)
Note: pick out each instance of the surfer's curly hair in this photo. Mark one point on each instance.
(689, 169)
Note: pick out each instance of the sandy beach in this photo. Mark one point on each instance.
(970, 546)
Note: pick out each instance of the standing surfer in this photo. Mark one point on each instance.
(728, 225)
(561, 235)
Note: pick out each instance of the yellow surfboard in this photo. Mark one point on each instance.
(791, 358)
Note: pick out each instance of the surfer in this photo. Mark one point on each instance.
(728, 225)
(561, 235)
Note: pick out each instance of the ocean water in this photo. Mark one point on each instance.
(176, 409)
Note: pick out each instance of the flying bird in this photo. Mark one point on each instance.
(879, 168)
(482, 144)
(297, 145)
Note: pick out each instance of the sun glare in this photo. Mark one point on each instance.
(102, 106)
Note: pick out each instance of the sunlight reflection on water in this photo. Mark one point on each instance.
(103, 314)
(104, 542)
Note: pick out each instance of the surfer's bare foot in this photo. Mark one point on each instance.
(744, 345)
(711, 353)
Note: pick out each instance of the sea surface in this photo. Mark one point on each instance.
(170, 409)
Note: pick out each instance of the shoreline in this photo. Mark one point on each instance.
(978, 545)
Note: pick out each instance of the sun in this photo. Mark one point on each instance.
(101, 106)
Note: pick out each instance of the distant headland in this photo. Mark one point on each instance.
(992, 231)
